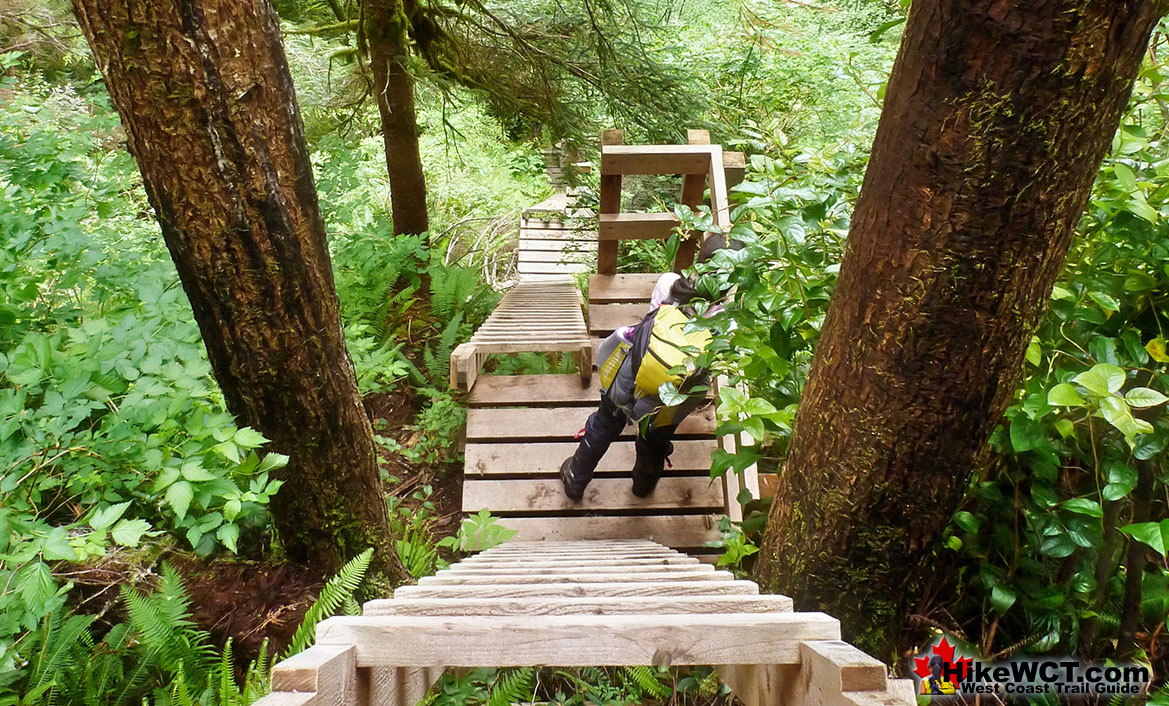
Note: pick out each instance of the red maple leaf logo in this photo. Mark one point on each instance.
(946, 651)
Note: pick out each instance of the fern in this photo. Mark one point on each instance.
(332, 597)
(512, 686)
(451, 288)
(438, 359)
(647, 681)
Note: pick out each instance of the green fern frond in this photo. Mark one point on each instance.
(438, 359)
(258, 678)
(332, 597)
(647, 681)
(512, 686)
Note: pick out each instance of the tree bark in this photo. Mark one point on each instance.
(996, 118)
(207, 102)
(384, 31)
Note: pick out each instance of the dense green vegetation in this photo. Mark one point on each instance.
(114, 438)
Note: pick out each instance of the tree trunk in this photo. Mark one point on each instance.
(384, 32)
(996, 118)
(206, 99)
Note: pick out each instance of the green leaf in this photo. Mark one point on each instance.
(129, 532)
(1142, 209)
(229, 535)
(1141, 397)
(669, 395)
(231, 510)
(1124, 175)
(1106, 302)
(179, 496)
(1002, 597)
(954, 543)
(194, 472)
(754, 427)
(271, 462)
(967, 521)
(1083, 506)
(249, 438)
(1026, 434)
(1066, 428)
(1058, 546)
(228, 450)
(1034, 351)
(105, 517)
(1102, 379)
(1154, 534)
(1122, 478)
(1064, 395)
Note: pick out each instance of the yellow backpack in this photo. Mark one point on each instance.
(670, 347)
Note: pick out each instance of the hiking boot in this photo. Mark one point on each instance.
(574, 486)
(646, 473)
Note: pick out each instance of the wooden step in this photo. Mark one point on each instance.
(637, 605)
(689, 458)
(670, 530)
(560, 424)
(606, 318)
(526, 390)
(655, 159)
(588, 590)
(635, 226)
(536, 495)
(621, 289)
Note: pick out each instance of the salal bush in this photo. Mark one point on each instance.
(111, 427)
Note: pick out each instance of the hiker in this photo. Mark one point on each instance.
(635, 361)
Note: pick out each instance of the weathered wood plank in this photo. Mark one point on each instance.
(544, 495)
(549, 268)
(561, 423)
(552, 590)
(568, 577)
(838, 666)
(561, 640)
(475, 563)
(571, 256)
(591, 570)
(328, 671)
(400, 686)
(609, 201)
(625, 288)
(606, 318)
(656, 159)
(671, 530)
(635, 226)
(289, 698)
(641, 605)
(689, 456)
(509, 390)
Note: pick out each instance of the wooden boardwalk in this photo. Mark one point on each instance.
(553, 240)
(614, 580)
(597, 603)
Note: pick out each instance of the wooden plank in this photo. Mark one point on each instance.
(485, 424)
(562, 640)
(656, 159)
(689, 456)
(641, 605)
(671, 530)
(606, 318)
(329, 671)
(567, 577)
(735, 167)
(288, 698)
(837, 666)
(635, 226)
(549, 268)
(693, 187)
(571, 256)
(719, 206)
(570, 246)
(546, 495)
(522, 569)
(514, 390)
(491, 347)
(625, 288)
(552, 590)
(479, 562)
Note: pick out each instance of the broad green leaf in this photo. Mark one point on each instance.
(1122, 478)
(1058, 546)
(1002, 597)
(1034, 351)
(1084, 506)
(194, 472)
(1106, 302)
(129, 532)
(271, 462)
(967, 521)
(669, 395)
(179, 496)
(105, 517)
(1066, 428)
(1064, 395)
(1026, 434)
(228, 450)
(1058, 292)
(1142, 209)
(229, 535)
(249, 438)
(1119, 415)
(1154, 534)
(1101, 379)
(1141, 397)
(1124, 175)
(754, 427)
(231, 510)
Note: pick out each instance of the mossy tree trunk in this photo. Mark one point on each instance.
(207, 102)
(384, 33)
(996, 118)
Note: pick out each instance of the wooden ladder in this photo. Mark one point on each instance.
(583, 603)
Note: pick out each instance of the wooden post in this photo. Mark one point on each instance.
(400, 686)
(735, 167)
(610, 202)
(328, 672)
(693, 189)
